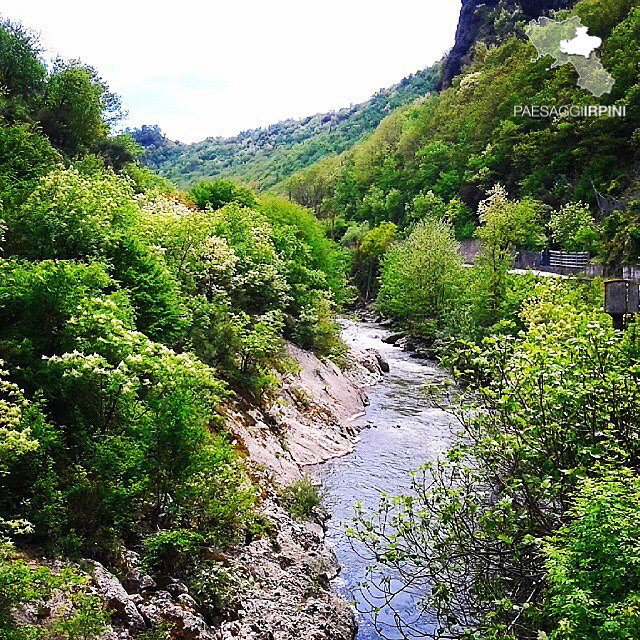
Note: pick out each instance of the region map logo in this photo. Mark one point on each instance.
(569, 42)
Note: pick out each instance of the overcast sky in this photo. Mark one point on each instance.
(202, 69)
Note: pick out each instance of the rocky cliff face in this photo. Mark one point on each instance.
(313, 418)
(477, 23)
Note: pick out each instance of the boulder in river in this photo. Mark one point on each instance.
(406, 344)
(382, 363)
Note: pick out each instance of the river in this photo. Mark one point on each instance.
(399, 433)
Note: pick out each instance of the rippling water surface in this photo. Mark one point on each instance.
(400, 433)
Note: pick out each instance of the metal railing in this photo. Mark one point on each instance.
(567, 260)
(631, 272)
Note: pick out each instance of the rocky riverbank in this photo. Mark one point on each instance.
(288, 588)
(283, 579)
(313, 418)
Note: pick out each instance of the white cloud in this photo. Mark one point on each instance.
(203, 69)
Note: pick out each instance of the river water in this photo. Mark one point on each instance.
(400, 432)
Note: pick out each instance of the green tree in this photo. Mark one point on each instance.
(505, 225)
(25, 157)
(421, 277)
(118, 151)
(93, 216)
(22, 72)
(78, 108)
(621, 234)
(17, 418)
(428, 205)
(215, 194)
(573, 228)
(369, 255)
(139, 416)
(324, 255)
(312, 188)
(593, 563)
(72, 216)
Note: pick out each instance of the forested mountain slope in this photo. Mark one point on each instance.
(265, 157)
(458, 144)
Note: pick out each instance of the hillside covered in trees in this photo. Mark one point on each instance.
(129, 319)
(139, 320)
(448, 152)
(265, 157)
(526, 527)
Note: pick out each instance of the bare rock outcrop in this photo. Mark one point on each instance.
(287, 587)
(185, 622)
(477, 23)
(116, 598)
(313, 419)
(287, 579)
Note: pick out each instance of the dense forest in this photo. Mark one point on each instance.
(442, 156)
(132, 311)
(128, 314)
(265, 157)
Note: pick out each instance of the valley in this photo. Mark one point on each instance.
(373, 374)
